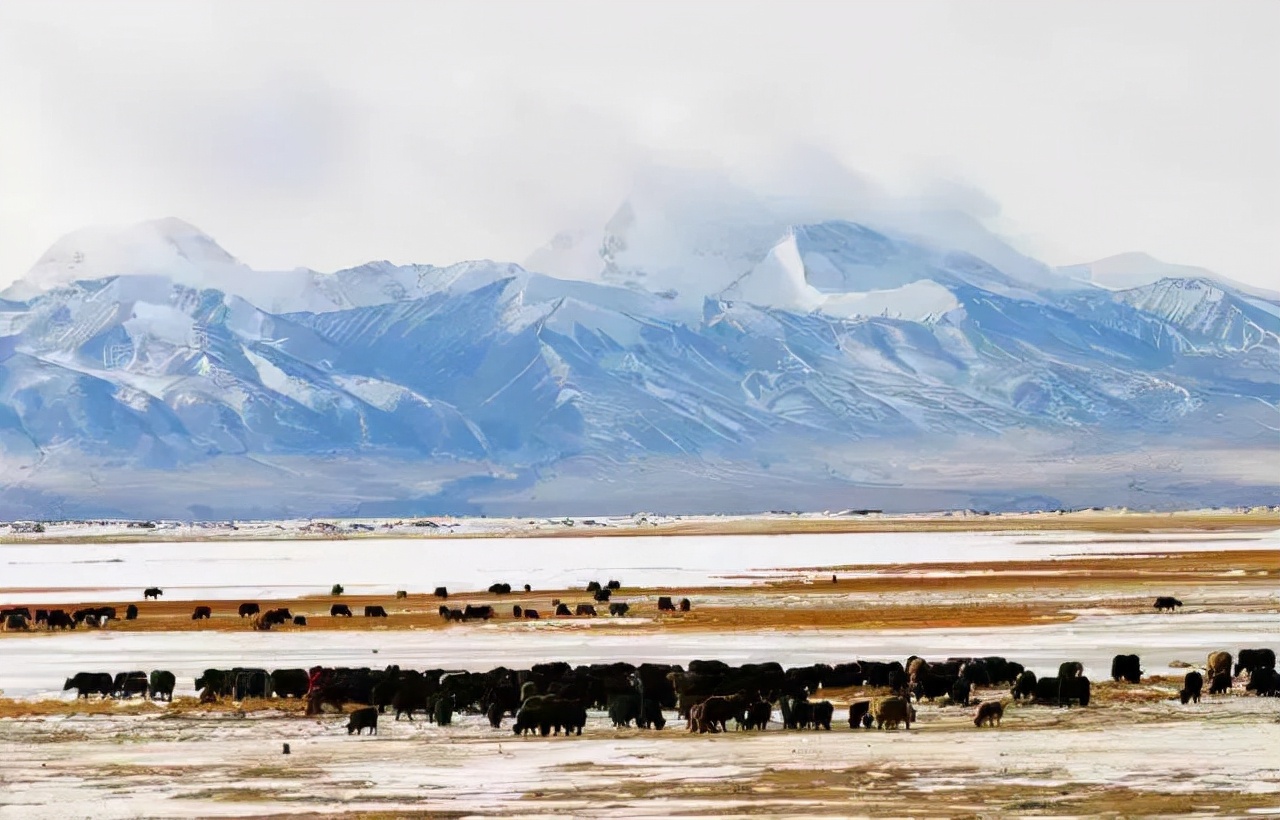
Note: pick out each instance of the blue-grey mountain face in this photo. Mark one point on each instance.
(831, 365)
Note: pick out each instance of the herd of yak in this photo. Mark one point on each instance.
(22, 618)
(553, 698)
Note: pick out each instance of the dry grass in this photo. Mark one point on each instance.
(180, 707)
(729, 618)
(1127, 583)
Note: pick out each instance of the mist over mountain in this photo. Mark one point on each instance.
(702, 350)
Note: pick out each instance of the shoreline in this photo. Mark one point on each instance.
(448, 528)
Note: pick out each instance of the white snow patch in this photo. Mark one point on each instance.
(917, 301)
(276, 380)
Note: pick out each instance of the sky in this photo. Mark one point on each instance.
(327, 134)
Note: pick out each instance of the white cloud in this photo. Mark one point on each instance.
(329, 133)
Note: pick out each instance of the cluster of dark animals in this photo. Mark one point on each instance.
(272, 617)
(240, 683)
(158, 685)
(553, 698)
(23, 618)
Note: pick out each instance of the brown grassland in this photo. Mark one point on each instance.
(867, 597)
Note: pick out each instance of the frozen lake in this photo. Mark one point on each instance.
(40, 573)
(37, 665)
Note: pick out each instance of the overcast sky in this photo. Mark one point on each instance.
(328, 134)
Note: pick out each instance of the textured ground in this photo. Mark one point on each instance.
(1135, 752)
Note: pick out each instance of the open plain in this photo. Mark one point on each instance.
(1036, 595)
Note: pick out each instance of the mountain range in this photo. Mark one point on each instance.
(678, 358)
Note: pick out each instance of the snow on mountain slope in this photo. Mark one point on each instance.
(168, 247)
(813, 343)
(1205, 311)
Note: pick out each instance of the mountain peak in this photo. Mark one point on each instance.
(170, 247)
(1135, 269)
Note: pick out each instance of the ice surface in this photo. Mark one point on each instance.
(191, 570)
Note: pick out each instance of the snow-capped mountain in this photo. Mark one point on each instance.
(740, 362)
(1126, 271)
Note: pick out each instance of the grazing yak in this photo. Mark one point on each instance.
(1165, 602)
(273, 617)
(59, 619)
(532, 615)
(615, 585)
(961, 692)
(820, 715)
(1068, 672)
(1252, 659)
(756, 716)
(250, 683)
(1062, 693)
(1126, 667)
(517, 611)
(1220, 683)
(548, 714)
(299, 620)
(889, 712)
(930, 686)
(625, 707)
(484, 612)
(131, 612)
(602, 595)
(375, 611)
(287, 683)
(15, 623)
(128, 684)
(665, 605)
(249, 609)
(411, 696)
(161, 684)
(500, 589)
(593, 586)
(1265, 682)
(716, 711)
(685, 606)
(586, 609)
(989, 713)
(441, 593)
(339, 610)
(94, 615)
(401, 594)
(618, 608)
(202, 613)
(361, 719)
(1218, 662)
(1191, 686)
(152, 592)
(858, 710)
(89, 683)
